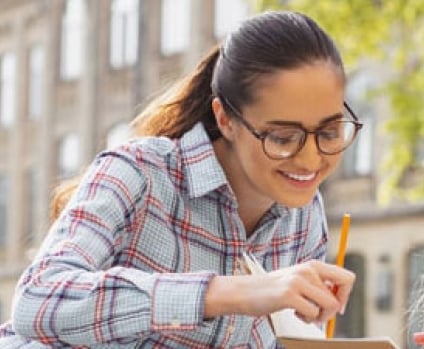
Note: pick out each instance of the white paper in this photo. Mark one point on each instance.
(287, 324)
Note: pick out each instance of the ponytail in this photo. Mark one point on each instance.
(178, 110)
(171, 114)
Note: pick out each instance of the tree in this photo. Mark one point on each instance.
(390, 32)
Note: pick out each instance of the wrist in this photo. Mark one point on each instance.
(223, 296)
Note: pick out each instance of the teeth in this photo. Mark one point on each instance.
(299, 177)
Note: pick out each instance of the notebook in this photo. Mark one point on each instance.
(294, 333)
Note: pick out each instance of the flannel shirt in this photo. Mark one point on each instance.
(128, 262)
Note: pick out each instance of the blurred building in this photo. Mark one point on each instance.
(73, 73)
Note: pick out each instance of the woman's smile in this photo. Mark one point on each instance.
(304, 180)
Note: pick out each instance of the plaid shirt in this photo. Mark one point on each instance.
(128, 262)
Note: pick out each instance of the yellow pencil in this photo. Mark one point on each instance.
(340, 262)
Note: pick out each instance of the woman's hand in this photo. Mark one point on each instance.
(306, 288)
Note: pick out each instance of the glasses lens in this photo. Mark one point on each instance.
(283, 142)
(336, 136)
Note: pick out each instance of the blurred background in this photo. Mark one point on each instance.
(73, 73)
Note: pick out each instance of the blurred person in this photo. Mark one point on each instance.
(144, 253)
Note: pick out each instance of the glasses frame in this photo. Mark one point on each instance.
(262, 135)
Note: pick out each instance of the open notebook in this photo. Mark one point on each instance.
(294, 333)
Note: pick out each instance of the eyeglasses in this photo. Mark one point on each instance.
(286, 140)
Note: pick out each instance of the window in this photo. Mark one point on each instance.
(124, 33)
(7, 89)
(352, 323)
(72, 39)
(358, 160)
(3, 209)
(117, 134)
(30, 202)
(228, 15)
(68, 156)
(35, 86)
(175, 26)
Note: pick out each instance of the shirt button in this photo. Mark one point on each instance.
(230, 329)
(175, 323)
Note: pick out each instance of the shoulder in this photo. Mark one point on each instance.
(140, 155)
(142, 149)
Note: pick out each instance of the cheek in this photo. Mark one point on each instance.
(335, 160)
(250, 156)
(258, 167)
(254, 155)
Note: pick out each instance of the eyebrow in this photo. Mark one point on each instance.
(324, 121)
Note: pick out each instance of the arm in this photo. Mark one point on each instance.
(303, 287)
(75, 293)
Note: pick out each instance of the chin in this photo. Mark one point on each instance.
(297, 203)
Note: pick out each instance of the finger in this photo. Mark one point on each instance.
(324, 299)
(305, 309)
(304, 319)
(342, 279)
(335, 274)
(342, 294)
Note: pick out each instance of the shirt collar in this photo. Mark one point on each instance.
(204, 173)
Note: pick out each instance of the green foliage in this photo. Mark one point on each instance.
(390, 32)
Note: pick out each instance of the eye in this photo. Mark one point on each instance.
(331, 131)
(284, 136)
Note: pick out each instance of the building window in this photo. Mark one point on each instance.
(175, 26)
(3, 209)
(72, 39)
(35, 86)
(124, 33)
(7, 89)
(358, 160)
(228, 15)
(30, 201)
(117, 134)
(352, 323)
(68, 156)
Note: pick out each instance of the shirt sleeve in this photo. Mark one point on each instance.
(74, 292)
(315, 246)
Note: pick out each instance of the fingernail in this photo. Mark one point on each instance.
(342, 310)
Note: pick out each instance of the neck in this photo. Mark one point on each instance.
(251, 204)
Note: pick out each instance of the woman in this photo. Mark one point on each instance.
(145, 253)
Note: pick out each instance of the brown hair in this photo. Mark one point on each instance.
(261, 45)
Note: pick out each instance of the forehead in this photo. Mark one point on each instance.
(304, 94)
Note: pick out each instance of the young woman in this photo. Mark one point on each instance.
(145, 254)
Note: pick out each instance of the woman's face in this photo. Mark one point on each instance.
(308, 95)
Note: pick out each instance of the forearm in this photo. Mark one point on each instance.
(79, 308)
(101, 307)
(233, 295)
(222, 296)
(302, 287)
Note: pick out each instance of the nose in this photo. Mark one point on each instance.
(309, 157)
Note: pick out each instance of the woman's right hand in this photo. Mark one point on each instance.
(306, 288)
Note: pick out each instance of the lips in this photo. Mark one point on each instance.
(300, 177)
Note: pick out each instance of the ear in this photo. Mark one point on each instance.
(224, 122)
